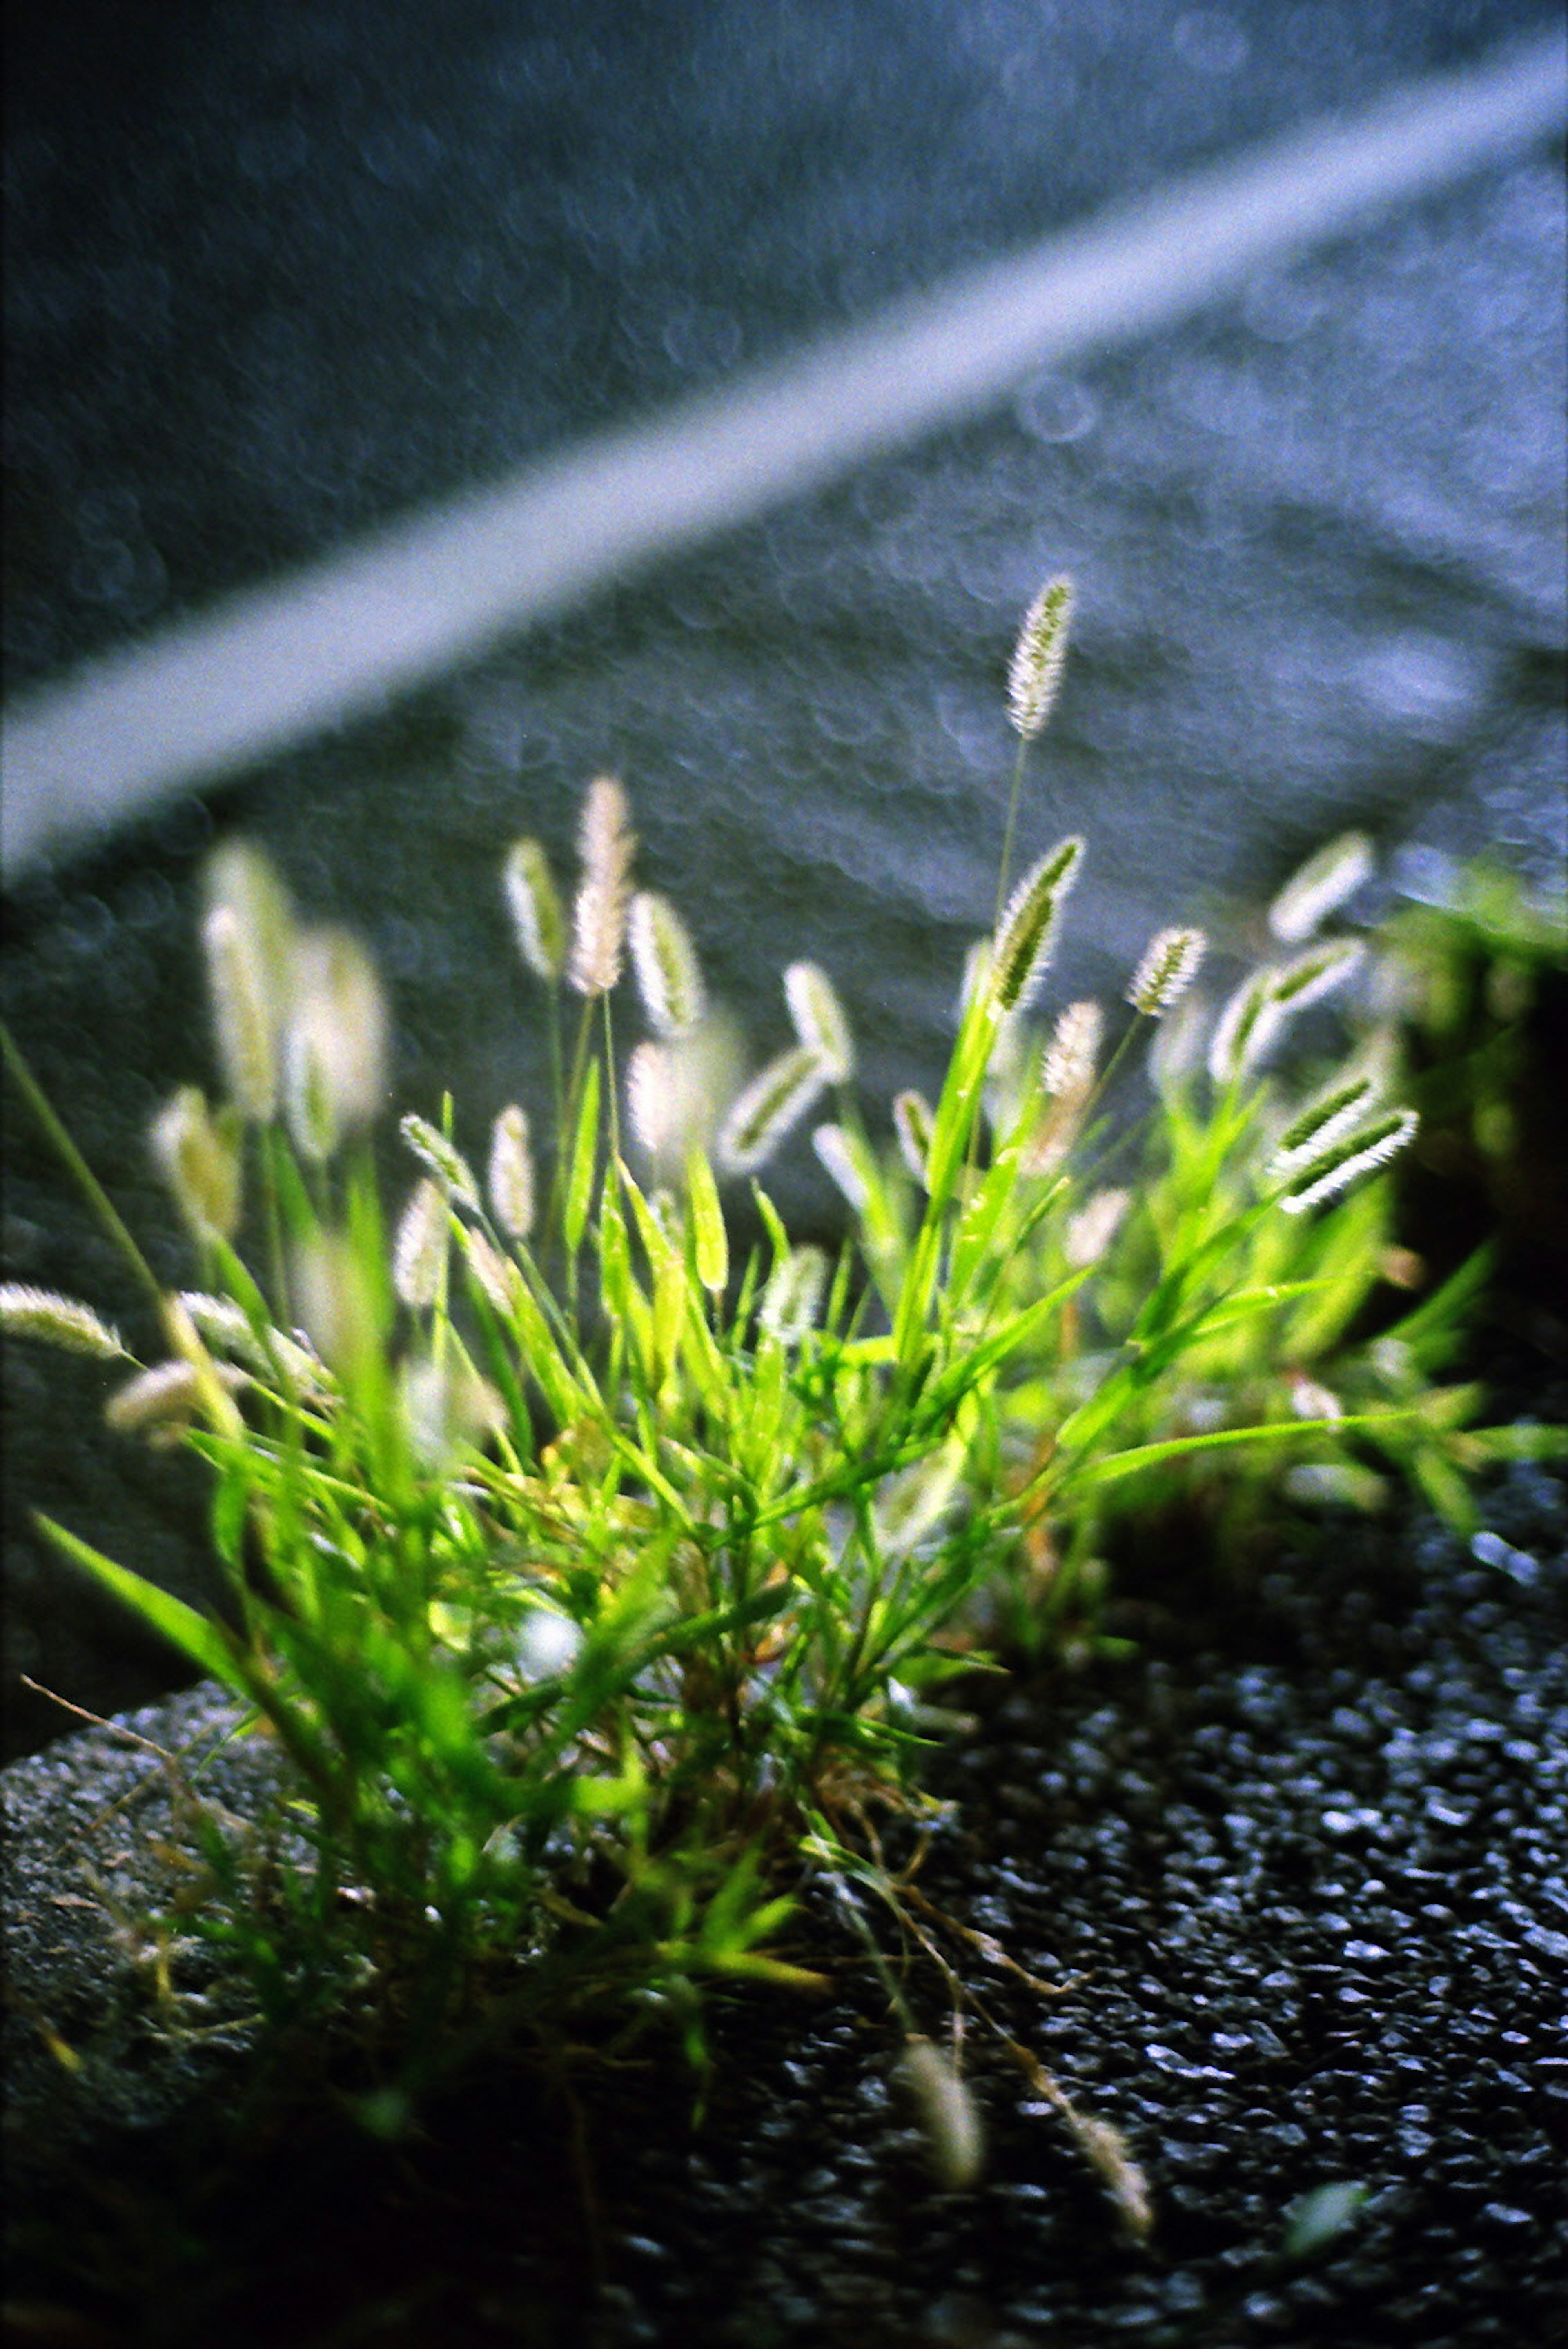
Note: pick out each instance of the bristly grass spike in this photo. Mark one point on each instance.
(1068, 1069)
(605, 845)
(669, 976)
(511, 1172)
(1169, 965)
(1039, 657)
(1321, 886)
(1352, 1156)
(538, 918)
(777, 1097)
(819, 1020)
(43, 1313)
(1026, 932)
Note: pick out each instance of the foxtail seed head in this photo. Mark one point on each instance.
(1322, 1122)
(496, 1275)
(669, 976)
(1167, 969)
(1034, 677)
(200, 1162)
(419, 1251)
(1068, 1069)
(1321, 886)
(441, 1159)
(949, 2115)
(511, 1172)
(1247, 1023)
(241, 1015)
(1314, 973)
(607, 845)
(161, 1402)
(27, 1312)
(792, 1297)
(913, 1126)
(777, 1097)
(819, 1019)
(335, 1051)
(1027, 930)
(538, 915)
(1352, 1156)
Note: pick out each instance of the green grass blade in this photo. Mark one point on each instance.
(196, 1635)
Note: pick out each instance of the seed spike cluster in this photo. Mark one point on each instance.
(1322, 1122)
(1068, 1069)
(511, 1172)
(538, 915)
(442, 1160)
(335, 1047)
(419, 1251)
(1321, 886)
(1169, 965)
(607, 846)
(237, 987)
(1352, 1156)
(819, 1020)
(199, 1163)
(913, 1126)
(43, 1313)
(833, 1147)
(777, 1096)
(1034, 677)
(669, 976)
(1026, 932)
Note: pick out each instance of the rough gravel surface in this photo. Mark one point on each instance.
(1303, 1858)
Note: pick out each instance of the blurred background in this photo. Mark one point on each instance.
(280, 273)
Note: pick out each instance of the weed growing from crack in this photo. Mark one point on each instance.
(594, 1581)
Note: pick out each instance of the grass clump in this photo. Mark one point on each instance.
(598, 1579)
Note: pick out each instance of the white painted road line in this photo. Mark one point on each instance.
(267, 668)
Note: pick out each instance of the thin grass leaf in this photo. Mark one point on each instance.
(196, 1635)
(584, 1151)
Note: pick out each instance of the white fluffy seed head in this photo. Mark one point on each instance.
(43, 1313)
(607, 846)
(669, 976)
(243, 1019)
(1169, 965)
(165, 1398)
(533, 900)
(791, 1295)
(420, 1247)
(334, 1049)
(1027, 930)
(1354, 1155)
(819, 1020)
(1314, 973)
(1035, 676)
(199, 1159)
(496, 1275)
(1323, 1123)
(1067, 1072)
(777, 1096)
(511, 1172)
(441, 1160)
(1321, 886)
(949, 2115)
(913, 1126)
